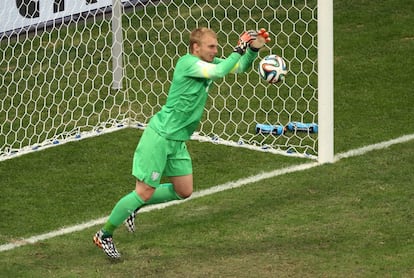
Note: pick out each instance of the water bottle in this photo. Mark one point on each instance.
(304, 127)
(269, 129)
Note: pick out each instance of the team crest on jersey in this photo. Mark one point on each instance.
(155, 176)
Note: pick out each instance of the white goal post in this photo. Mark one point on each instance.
(325, 81)
(76, 69)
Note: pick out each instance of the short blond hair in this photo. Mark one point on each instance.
(197, 34)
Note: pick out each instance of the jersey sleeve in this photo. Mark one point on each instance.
(245, 61)
(235, 63)
(244, 64)
(217, 69)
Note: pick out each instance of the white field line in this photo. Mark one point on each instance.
(209, 191)
(378, 146)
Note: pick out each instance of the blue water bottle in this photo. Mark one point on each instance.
(304, 127)
(269, 129)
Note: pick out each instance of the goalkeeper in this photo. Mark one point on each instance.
(161, 150)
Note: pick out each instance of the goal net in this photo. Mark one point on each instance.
(75, 69)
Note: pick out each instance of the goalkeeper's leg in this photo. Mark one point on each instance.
(180, 188)
(177, 167)
(149, 164)
(123, 208)
(179, 170)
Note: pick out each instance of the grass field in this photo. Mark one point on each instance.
(352, 218)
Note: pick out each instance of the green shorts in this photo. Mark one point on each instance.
(156, 156)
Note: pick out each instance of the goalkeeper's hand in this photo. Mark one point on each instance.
(244, 41)
(261, 39)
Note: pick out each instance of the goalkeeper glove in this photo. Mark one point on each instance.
(244, 41)
(261, 39)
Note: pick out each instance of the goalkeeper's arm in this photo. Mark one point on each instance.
(255, 45)
(221, 67)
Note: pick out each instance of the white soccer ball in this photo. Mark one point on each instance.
(272, 68)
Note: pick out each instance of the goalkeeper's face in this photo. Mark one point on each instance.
(206, 50)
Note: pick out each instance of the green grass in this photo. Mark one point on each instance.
(373, 72)
(353, 218)
(349, 219)
(79, 174)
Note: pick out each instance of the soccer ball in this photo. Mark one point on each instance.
(272, 68)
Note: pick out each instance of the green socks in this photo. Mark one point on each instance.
(130, 202)
(121, 211)
(164, 193)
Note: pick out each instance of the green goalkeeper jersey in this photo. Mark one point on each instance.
(182, 112)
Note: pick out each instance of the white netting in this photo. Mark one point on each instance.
(57, 79)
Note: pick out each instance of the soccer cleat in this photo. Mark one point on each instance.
(106, 244)
(130, 221)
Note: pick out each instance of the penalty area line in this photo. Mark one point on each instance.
(209, 191)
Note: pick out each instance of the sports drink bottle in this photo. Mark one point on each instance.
(305, 127)
(269, 129)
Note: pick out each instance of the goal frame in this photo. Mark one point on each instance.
(325, 82)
